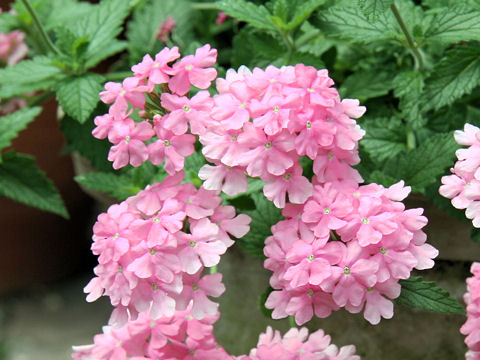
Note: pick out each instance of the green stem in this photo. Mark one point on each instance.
(116, 76)
(291, 321)
(290, 43)
(411, 142)
(205, 6)
(213, 269)
(41, 29)
(419, 63)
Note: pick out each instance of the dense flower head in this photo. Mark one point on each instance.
(463, 186)
(346, 247)
(471, 328)
(153, 247)
(176, 337)
(297, 344)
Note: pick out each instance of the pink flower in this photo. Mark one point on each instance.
(232, 181)
(190, 71)
(12, 47)
(221, 17)
(166, 29)
(130, 90)
(156, 70)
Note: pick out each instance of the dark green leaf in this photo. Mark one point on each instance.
(28, 75)
(384, 139)
(380, 178)
(12, 124)
(263, 217)
(257, 16)
(78, 95)
(365, 85)
(22, 181)
(408, 87)
(427, 296)
(454, 76)
(421, 166)
(475, 234)
(453, 24)
(118, 186)
(303, 11)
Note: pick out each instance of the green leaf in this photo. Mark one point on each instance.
(408, 87)
(112, 48)
(28, 75)
(372, 9)
(453, 24)
(242, 10)
(102, 26)
(421, 166)
(118, 186)
(384, 138)
(263, 217)
(427, 296)
(475, 234)
(147, 19)
(317, 43)
(454, 76)
(193, 163)
(303, 12)
(78, 95)
(79, 138)
(12, 124)
(22, 181)
(350, 23)
(380, 178)
(365, 85)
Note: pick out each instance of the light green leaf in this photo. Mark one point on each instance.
(303, 12)
(118, 186)
(350, 23)
(455, 23)
(384, 138)
(22, 181)
(147, 19)
(112, 48)
(312, 41)
(28, 75)
(365, 85)
(257, 16)
(78, 95)
(421, 166)
(102, 26)
(427, 296)
(454, 76)
(408, 87)
(12, 124)
(372, 9)
(263, 217)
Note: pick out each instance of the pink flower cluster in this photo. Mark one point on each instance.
(297, 345)
(463, 186)
(12, 47)
(176, 337)
(265, 120)
(182, 337)
(171, 114)
(153, 247)
(472, 326)
(346, 247)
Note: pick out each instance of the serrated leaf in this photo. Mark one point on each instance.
(280, 10)
(380, 178)
(303, 12)
(421, 166)
(427, 296)
(118, 186)
(257, 16)
(408, 87)
(454, 76)
(350, 23)
(263, 217)
(365, 85)
(384, 138)
(78, 95)
(372, 9)
(12, 124)
(112, 48)
(147, 19)
(455, 23)
(102, 26)
(22, 181)
(28, 75)
(317, 43)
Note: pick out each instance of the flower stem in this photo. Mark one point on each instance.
(291, 321)
(419, 63)
(205, 6)
(41, 29)
(213, 269)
